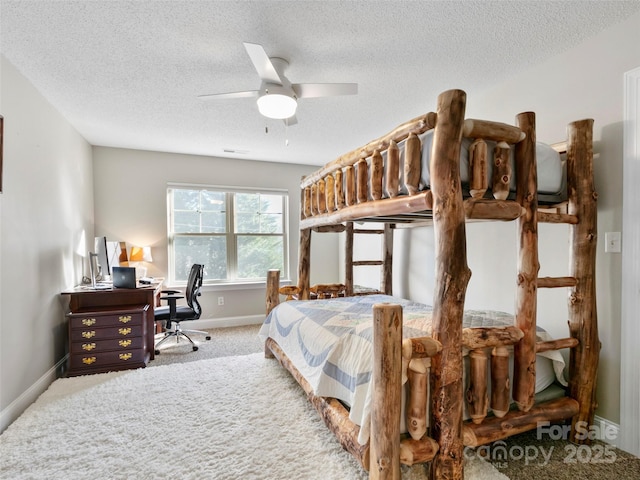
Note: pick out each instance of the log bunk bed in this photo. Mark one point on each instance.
(365, 185)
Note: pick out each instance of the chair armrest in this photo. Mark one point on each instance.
(170, 291)
(172, 298)
(172, 301)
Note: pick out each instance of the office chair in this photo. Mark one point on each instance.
(173, 314)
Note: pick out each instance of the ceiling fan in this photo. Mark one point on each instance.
(278, 97)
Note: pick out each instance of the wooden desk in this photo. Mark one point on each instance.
(111, 329)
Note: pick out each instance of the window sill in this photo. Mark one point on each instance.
(223, 287)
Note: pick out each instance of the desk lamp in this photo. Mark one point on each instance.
(140, 255)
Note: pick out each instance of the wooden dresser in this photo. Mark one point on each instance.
(110, 329)
(102, 340)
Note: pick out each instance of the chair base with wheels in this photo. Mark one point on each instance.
(172, 314)
(178, 332)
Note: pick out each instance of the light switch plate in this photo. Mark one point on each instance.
(612, 242)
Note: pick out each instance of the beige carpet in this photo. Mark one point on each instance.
(227, 418)
(225, 342)
(526, 456)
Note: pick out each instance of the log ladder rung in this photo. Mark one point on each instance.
(485, 209)
(363, 263)
(547, 217)
(555, 282)
(366, 231)
(558, 344)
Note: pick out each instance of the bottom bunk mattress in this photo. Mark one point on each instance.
(330, 342)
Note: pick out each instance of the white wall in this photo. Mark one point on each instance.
(130, 206)
(586, 82)
(47, 214)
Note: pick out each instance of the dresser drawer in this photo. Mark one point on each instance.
(94, 346)
(116, 359)
(93, 334)
(95, 320)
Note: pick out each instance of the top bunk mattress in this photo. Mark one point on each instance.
(330, 342)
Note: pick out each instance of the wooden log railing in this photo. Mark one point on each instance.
(327, 290)
(371, 175)
(497, 339)
(416, 126)
(478, 340)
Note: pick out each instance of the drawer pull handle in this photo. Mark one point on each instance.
(87, 322)
(124, 343)
(89, 334)
(124, 318)
(88, 360)
(125, 356)
(124, 331)
(88, 346)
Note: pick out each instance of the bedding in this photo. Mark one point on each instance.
(330, 343)
(550, 167)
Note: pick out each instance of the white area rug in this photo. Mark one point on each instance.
(224, 418)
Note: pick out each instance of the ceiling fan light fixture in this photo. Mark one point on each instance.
(277, 104)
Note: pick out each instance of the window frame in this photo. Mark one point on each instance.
(231, 237)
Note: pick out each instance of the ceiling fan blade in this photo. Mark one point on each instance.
(310, 90)
(231, 95)
(262, 64)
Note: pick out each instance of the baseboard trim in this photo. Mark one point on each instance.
(606, 430)
(223, 322)
(20, 404)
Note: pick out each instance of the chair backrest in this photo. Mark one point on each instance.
(194, 282)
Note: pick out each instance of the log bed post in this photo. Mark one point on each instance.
(384, 443)
(583, 321)
(272, 299)
(386, 285)
(348, 260)
(451, 277)
(304, 263)
(524, 352)
(273, 286)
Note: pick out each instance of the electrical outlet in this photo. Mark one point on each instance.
(220, 301)
(612, 242)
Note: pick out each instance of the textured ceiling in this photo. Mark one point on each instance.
(127, 73)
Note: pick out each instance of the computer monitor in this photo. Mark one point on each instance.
(101, 250)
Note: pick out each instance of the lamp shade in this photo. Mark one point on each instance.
(277, 102)
(140, 254)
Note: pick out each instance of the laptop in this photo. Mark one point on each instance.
(124, 277)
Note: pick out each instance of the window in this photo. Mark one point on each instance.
(237, 234)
